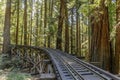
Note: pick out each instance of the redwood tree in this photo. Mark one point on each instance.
(71, 31)
(66, 28)
(77, 29)
(17, 27)
(25, 22)
(105, 43)
(100, 44)
(7, 24)
(117, 44)
(45, 21)
(60, 26)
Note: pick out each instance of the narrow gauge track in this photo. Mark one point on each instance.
(106, 75)
(71, 68)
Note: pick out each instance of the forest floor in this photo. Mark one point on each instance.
(13, 73)
(8, 75)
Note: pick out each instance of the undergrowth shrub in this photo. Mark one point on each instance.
(7, 62)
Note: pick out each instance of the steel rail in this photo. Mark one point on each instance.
(92, 67)
(94, 72)
(55, 56)
(70, 69)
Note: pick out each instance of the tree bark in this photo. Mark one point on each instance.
(66, 28)
(45, 21)
(71, 32)
(100, 44)
(105, 43)
(25, 22)
(7, 25)
(37, 25)
(60, 26)
(77, 29)
(79, 37)
(31, 22)
(117, 43)
(50, 23)
(17, 32)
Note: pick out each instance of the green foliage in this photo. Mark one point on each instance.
(112, 14)
(18, 76)
(87, 8)
(7, 62)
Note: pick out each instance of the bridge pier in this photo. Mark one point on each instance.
(34, 61)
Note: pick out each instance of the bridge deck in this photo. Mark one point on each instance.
(71, 68)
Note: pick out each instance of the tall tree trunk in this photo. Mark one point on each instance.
(25, 22)
(7, 24)
(71, 32)
(105, 43)
(45, 21)
(31, 22)
(117, 43)
(66, 28)
(95, 37)
(100, 45)
(17, 32)
(60, 26)
(37, 25)
(50, 25)
(77, 39)
(90, 18)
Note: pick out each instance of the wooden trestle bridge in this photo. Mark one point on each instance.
(52, 64)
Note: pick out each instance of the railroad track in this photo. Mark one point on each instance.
(71, 68)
